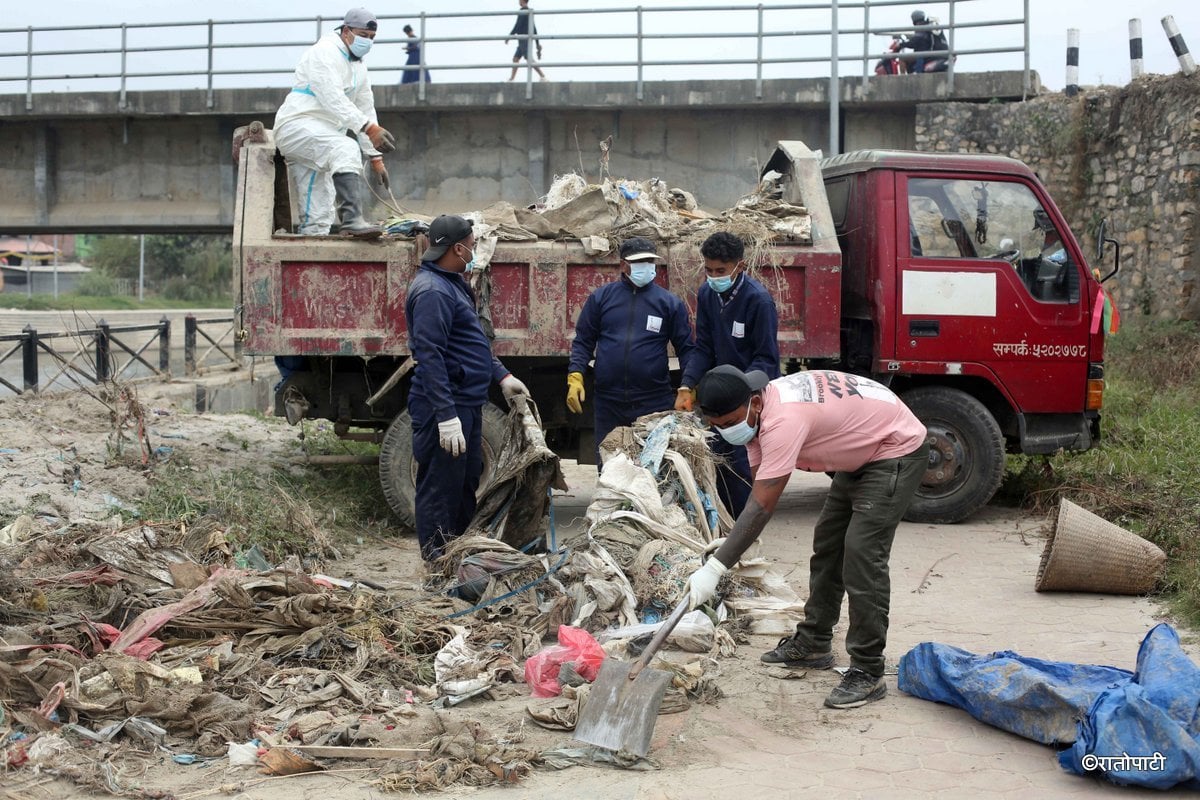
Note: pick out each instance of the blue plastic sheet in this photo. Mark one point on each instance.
(1138, 728)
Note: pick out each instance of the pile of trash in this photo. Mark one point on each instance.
(121, 637)
(600, 215)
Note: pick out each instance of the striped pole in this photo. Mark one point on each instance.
(1137, 66)
(1186, 62)
(1072, 62)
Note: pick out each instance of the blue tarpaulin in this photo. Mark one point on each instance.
(1140, 728)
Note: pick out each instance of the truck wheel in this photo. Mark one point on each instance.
(398, 468)
(966, 455)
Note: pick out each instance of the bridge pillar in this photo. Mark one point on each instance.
(44, 169)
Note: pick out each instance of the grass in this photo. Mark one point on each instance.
(1145, 476)
(298, 510)
(79, 302)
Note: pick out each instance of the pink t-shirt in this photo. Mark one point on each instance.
(827, 421)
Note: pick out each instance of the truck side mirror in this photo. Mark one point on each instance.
(1102, 238)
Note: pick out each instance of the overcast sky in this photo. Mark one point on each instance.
(1103, 26)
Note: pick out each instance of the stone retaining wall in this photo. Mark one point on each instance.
(1130, 154)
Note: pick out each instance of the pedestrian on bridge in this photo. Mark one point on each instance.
(330, 97)
(412, 67)
(874, 447)
(526, 31)
(736, 323)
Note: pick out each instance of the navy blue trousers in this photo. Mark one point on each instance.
(733, 475)
(612, 414)
(445, 485)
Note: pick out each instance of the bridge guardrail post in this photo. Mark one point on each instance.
(189, 344)
(210, 63)
(124, 33)
(29, 357)
(29, 69)
(758, 61)
(639, 51)
(103, 351)
(164, 345)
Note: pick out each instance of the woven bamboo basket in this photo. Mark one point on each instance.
(1086, 553)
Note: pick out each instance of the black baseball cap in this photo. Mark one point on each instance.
(725, 388)
(445, 232)
(639, 248)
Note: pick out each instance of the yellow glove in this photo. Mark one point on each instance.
(575, 396)
(684, 399)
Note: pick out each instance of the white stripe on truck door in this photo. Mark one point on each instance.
(961, 294)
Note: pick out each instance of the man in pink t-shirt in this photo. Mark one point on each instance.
(860, 432)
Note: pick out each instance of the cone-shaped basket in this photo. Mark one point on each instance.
(1088, 554)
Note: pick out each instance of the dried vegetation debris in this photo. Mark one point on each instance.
(121, 636)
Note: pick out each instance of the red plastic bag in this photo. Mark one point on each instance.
(574, 645)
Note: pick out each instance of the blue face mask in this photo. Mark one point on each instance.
(360, 46)
(741, 433)
(721, 285)
(471, 263)
(641, 272)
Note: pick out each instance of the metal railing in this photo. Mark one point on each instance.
(94, 355)
(757, 40)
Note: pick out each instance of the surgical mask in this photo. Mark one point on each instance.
(741, 433)
(470, 263)
(641, 273)
(720, 285)
(360, 46)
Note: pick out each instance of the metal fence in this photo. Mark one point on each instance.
(109, 353)
(736, 40)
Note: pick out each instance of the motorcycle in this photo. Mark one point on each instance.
(892, 66)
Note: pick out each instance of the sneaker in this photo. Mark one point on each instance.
(791, 653)
(856, 689)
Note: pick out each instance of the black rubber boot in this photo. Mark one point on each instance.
(348, 186)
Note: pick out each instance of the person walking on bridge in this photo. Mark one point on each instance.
(526, 29)
(412, 67)
(330, 97)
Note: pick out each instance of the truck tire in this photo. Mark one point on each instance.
(966, 455)
(398, 468)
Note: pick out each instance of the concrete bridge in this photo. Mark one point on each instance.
(85, 162)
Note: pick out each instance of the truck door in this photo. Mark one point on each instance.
(991, 284)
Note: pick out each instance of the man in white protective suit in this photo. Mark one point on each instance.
(331, 97)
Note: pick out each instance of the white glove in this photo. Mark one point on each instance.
(703, 583)
(512, 388)
(450, 437)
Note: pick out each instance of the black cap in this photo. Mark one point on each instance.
(918, 17)
(725, 388)
(445, 232)
(639, 248)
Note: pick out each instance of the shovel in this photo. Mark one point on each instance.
(622, 705)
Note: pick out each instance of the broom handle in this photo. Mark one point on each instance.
(659, 637)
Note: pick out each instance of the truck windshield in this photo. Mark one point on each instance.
(958, 219)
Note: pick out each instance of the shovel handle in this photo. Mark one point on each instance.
(659, 638)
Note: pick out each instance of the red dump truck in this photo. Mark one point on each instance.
(951, 278)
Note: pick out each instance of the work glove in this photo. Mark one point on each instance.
(684, 399)
(381, 140)
(575, 395)
(380, 171)
(450, 437)
(703, 584)
(512, 388)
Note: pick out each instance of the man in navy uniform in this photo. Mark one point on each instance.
(626, 325)
(736, 324)
(455, 368)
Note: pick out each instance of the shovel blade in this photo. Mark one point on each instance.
(620, 713)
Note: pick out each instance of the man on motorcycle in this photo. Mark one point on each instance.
(923, 41)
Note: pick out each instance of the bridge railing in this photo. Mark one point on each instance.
(110, 353)
(638, 43)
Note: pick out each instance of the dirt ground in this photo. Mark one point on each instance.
(969, 585)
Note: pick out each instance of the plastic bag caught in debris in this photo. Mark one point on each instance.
(575, 646)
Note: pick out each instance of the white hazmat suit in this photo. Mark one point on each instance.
(331, 94)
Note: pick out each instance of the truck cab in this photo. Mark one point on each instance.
(964, 290)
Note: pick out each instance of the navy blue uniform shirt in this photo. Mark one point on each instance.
(455, 364)
(740, 328)
(627, 329)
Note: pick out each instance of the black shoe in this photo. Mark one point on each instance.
(856, 689)
(791, 653)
